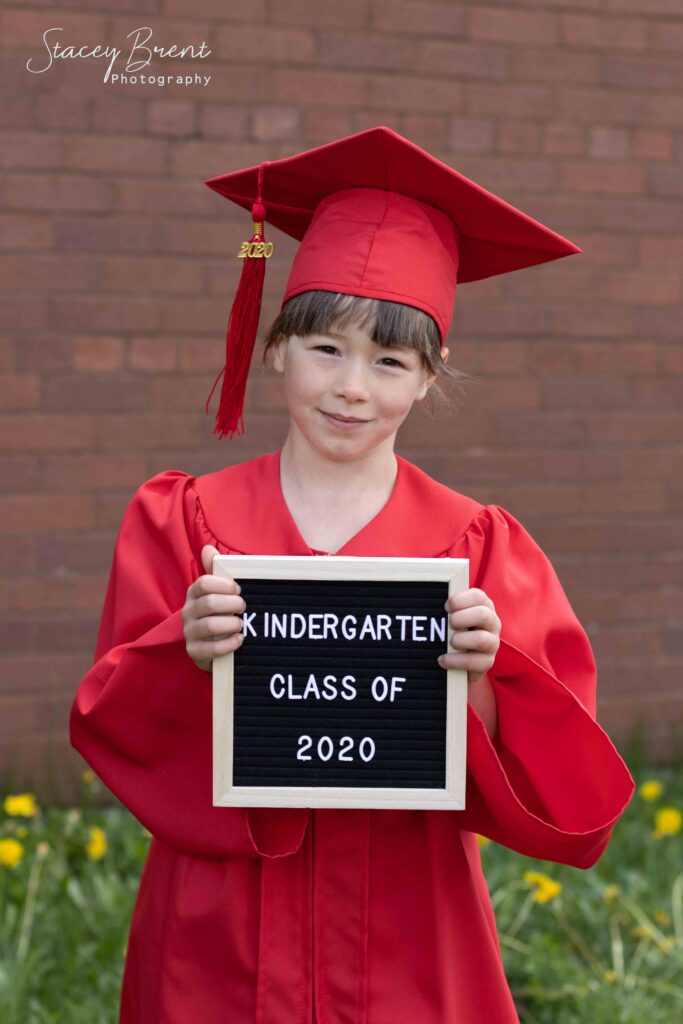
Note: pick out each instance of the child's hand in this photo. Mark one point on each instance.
(211, 615)
(477, 636)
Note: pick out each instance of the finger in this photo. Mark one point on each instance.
(208, 554)
(478, 616)
(217, 627)
(467, 598)
(217, 604)
(474, 640)
(213, 585)
(474, 662)
(206, 650)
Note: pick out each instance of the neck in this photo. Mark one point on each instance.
(312, 473)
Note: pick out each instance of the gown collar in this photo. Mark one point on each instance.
(245, 511)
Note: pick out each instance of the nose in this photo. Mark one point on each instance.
(351, 381)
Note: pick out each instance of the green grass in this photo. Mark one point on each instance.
(589, 953)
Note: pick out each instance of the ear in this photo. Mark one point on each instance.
(444, 354)
(279, 352)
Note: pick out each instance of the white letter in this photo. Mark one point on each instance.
(39, 71)
(277, 678)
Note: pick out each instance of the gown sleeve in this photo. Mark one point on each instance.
(552, 785)
(142, 715)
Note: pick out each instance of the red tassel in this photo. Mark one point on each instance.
(242, 326)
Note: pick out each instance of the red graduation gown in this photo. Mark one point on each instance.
(284, 916)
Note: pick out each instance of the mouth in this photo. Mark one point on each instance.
(347, 421)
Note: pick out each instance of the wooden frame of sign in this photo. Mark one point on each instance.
(419, 742)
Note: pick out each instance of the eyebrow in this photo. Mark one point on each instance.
(394, 344)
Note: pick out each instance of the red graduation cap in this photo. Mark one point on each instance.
(377, 216)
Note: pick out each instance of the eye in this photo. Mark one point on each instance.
(320, 348)
(395, 362)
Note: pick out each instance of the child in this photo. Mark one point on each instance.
(351, 916)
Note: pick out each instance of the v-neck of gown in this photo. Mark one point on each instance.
(289, 520)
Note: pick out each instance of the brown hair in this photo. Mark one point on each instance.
(316, 312)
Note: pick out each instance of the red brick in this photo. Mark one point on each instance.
(219, 236)
(563, 139)
(650, 8)
(574, 392)
(107, 235)
(179, 394)
(604, 33)
(27, 513)
(665, 110)
(124, 153)
(23, 30)
(519, 137)
(330, 13)
(292, 45)
(67, 113)
(7, 354)
(658, 394)
(640, 73)
(603, 176)
(58, 592)
(146, 432)
(19, 390)
(609, 143)
(512, 26)
(110, 509)
(19, 472)
(57, 192)
(432, 95)
(639, 286)
(649, 144)
(105, 313)
(366, 50)
(224, 121)
(218, 10)
(594, 322)
(462, 60)
(46, 273)
(321, 125)
(632, 359)
(505, 100)
(162, 197)
(38, 431)
(87, 553)
(123, 114)
(200, 354)
(433, 19)
(551, 64)
(187, 157)
(21, 556)
(25, 232)
(666, 181)
(195, 315)
(47, 633)
(171, 117)
(603, 106)
(152, 354)
(31, 149)
(541, 428)
(270, 123)
(635, 427)
(92, 472)
(151, 275)
(659, 323)
(323, 88)
(94, 392)
(97, 354)
(24, 311)
(667, 35)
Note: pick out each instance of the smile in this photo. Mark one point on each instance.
(344, 424)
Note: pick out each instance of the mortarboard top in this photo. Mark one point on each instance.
(377, 216)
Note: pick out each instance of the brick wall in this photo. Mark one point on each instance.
(117, 272)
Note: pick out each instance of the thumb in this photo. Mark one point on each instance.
(208, 553)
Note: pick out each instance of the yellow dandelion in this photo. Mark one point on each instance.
(97, 845)
(11, 853)
(21, 831)
(609, 976)
(611, 893)
(651, 789)
(662, 917)
(641, 931)
(668, 821)
(667, 944)
(546, 888)
(482, 840)
(21, 805)
(88, 777)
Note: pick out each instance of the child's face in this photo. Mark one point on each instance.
(346, 374)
